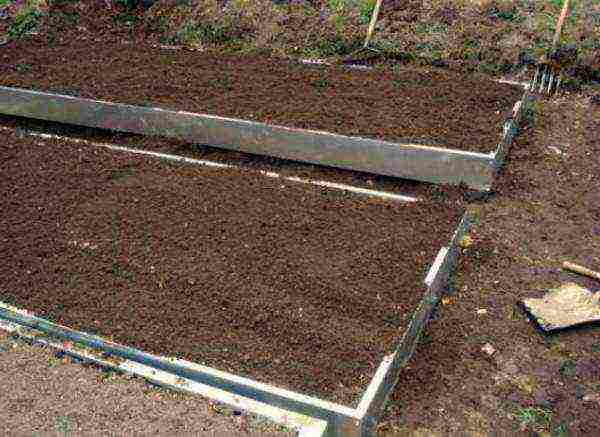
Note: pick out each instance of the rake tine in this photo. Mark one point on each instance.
(546, 77)
(558, 82)
(543, 80)
(540, 77)
(550, 80)
(535, 78)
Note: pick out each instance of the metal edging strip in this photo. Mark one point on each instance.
(384, 381)
(410, 161)
(307, 426)
(337, 416)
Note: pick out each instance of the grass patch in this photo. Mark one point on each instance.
(366, 11)
(489, 37)
(64, 424)
(25, 22)
(535, 419)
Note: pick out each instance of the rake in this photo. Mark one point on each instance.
(548, 76)
(366, 50)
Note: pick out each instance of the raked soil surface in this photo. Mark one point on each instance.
(301, 287)
(546, 210)
(423, 106)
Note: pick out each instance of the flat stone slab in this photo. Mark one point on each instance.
(565, 306)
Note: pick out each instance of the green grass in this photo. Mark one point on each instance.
(25, 22)
(366, 10)
(535, 418)
(491, 40)
(64, 425)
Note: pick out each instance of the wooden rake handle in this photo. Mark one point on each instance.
(559, 25)
(373, 22)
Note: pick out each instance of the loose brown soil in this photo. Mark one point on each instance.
(303, 288)
(247, 161)
(547, 211)
(433, 107)
(50, 394)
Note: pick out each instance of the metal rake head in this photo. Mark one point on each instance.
(547, 79)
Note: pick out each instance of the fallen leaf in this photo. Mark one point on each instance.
(466, 241)
(447, 301)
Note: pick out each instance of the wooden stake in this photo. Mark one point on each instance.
(581, 270)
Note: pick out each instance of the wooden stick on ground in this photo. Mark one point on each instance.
(581, 270)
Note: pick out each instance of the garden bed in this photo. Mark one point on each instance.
(299, 287)
(431, 107)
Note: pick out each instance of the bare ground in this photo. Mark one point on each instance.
(547, 211)
(43, 394)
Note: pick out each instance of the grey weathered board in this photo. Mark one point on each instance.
(404, 160)
(563, 307)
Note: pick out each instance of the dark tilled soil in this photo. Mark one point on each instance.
(247, 161)
(433, 107)
(302, 288)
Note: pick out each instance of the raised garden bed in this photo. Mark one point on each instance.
(306, 289)
(428, 125)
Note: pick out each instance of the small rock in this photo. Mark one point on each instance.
(556, 150)
(488, 349)
(594, 397)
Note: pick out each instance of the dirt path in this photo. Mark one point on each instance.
(46, 395)
(547, 212)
